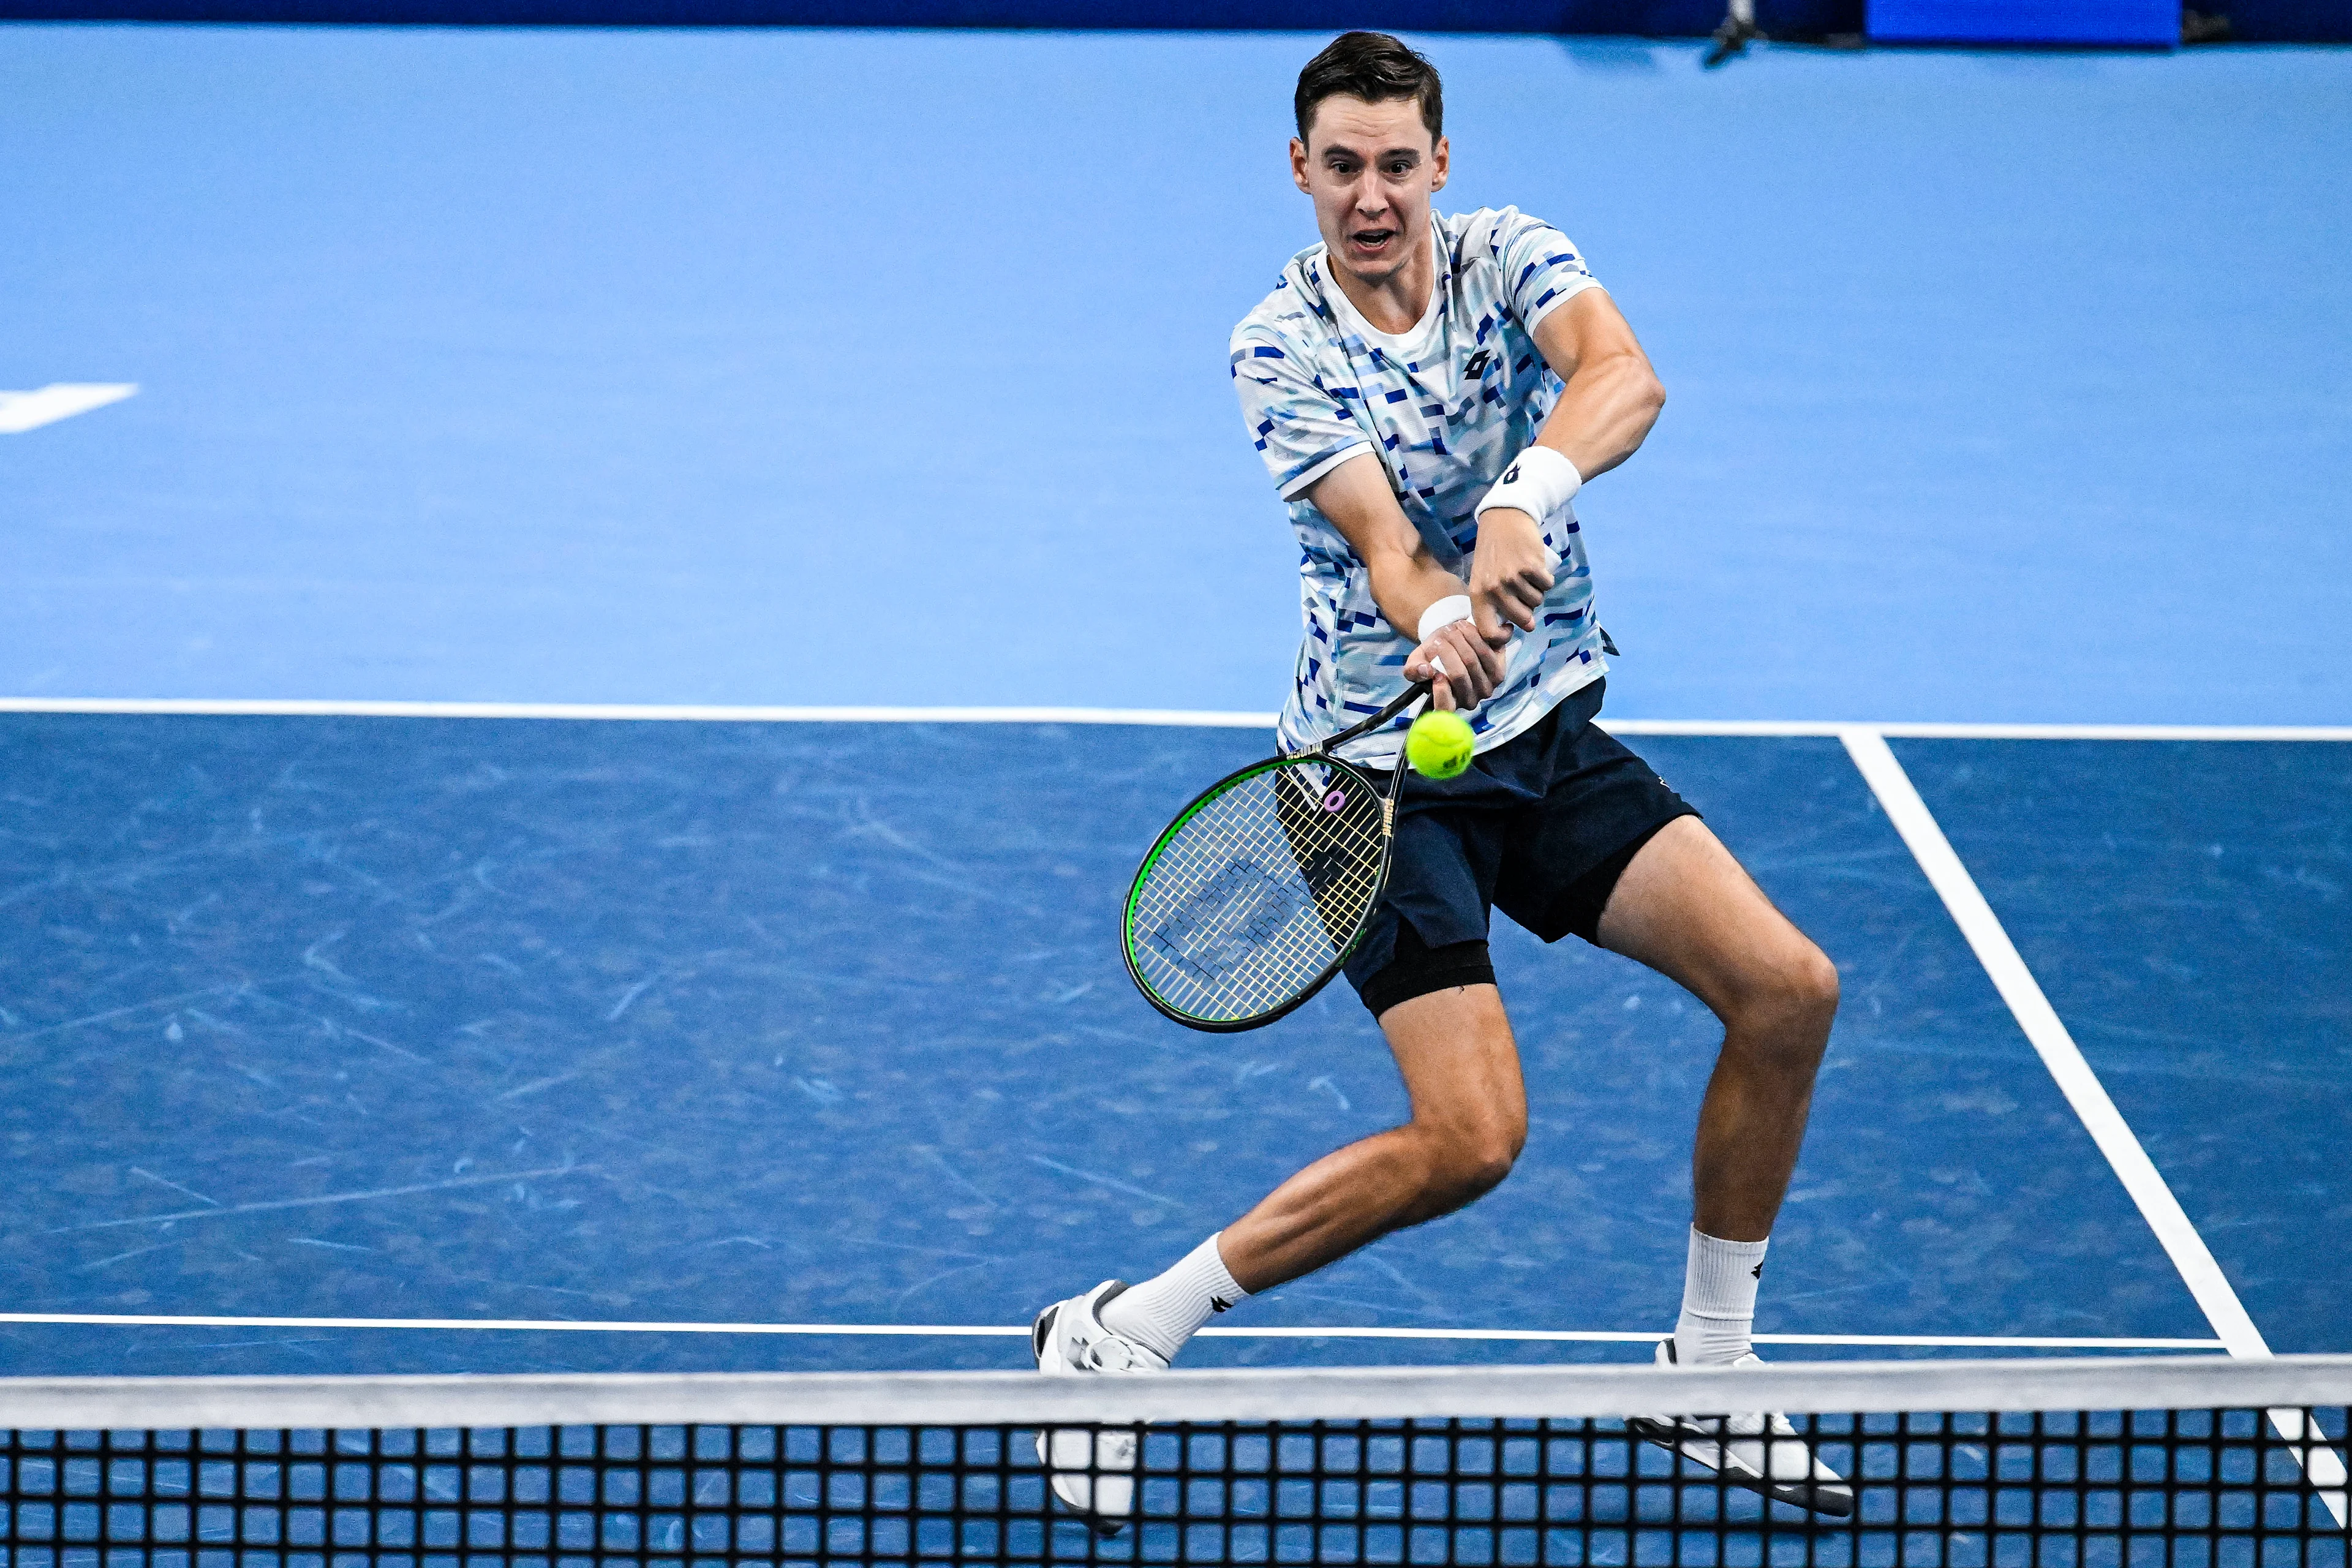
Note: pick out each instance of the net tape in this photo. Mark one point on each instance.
(2033, 1463)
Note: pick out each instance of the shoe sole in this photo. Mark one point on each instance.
(1813, 1496)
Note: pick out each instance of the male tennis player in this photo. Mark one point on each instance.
(1429, 391)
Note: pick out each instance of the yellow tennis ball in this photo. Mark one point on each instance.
(1438, 745)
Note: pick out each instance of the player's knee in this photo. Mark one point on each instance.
(1789, 1006)
(1471, 1162)
(1487, 1165)
(1807, 987)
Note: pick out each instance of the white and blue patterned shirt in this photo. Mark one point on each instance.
(1444, 406)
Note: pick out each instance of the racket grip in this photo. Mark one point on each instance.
(1414, 696)
(1415, 693)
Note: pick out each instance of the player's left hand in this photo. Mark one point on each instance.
(1510, 571)
(1473, 666)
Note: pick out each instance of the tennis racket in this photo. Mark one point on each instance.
(1262, 886)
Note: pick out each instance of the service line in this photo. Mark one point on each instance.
(1176, 718)
(992, 1330)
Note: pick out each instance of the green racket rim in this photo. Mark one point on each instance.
(1159, 846)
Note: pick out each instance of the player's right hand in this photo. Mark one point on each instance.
(1473, 666)
(1510, 571)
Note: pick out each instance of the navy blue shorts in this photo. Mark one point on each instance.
(1540, 828)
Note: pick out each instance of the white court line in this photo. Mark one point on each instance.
(1924, 731)
(2080, 1085)
(1178, 718)
(23, 411)
(306, 708)
(1651, 1336)
(971, 1330)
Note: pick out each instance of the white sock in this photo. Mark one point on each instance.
(1718, 1299)
(1163, 1313)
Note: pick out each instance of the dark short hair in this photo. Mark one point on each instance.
(1375, 68)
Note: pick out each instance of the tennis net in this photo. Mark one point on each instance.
(2018, 1464)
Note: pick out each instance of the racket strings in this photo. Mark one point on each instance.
(1238, 941)
(1260, 891)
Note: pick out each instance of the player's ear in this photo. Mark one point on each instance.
(1298, 165)
(1439, 162)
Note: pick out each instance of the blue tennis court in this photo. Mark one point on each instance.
(376, 997)
(822, 1025)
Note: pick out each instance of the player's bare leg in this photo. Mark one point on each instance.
(1469, 1120)
(1686, 907)
(1687, 910)
(1461, 1070)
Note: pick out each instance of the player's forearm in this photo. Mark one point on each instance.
(1405, 578)
(1605, 413)
(1463, 659)
(1405, 586)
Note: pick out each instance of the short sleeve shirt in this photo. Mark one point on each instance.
(1443, 407)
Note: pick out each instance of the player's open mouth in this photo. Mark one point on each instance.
(1371, 238)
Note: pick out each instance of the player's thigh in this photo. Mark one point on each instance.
(1461, 1066)
(1688, 909)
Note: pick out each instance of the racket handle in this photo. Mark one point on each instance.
(1413, 694)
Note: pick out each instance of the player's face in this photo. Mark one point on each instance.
(1371, 168)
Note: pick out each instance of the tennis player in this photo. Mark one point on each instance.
(1428, 392)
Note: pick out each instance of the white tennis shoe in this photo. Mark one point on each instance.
(1092, 1469)
(1757, 1450)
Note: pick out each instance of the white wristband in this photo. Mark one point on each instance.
(1444, 613)
(1538, 482)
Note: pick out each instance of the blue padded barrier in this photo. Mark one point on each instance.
(2145, 24)
(1651, 18)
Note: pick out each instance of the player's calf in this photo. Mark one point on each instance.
(1400, 1177)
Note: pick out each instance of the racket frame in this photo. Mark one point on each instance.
(1322, 752)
